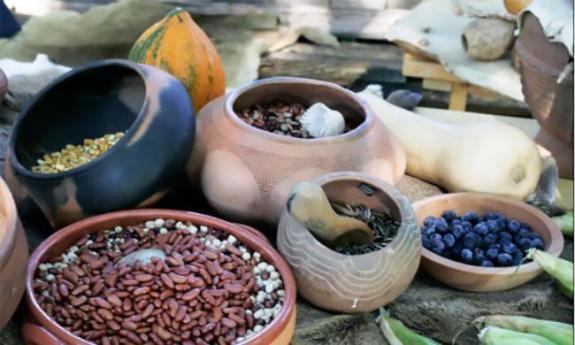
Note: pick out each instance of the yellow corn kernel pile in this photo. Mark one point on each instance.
(72, 156)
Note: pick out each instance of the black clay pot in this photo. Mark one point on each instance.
(151, 106)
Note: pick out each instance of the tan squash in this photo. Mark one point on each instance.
(180, 47)
(490, 156)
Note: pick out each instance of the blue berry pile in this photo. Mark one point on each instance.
(490, 240)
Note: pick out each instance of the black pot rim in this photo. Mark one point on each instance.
(20, 169)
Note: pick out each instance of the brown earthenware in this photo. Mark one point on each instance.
(41, 330)
(13, 256)
(246, 173)
(485, 279)
(353, 283)
(541, 62)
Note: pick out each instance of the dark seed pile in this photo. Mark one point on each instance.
(201, 287)
(278, 117)
(384, 227)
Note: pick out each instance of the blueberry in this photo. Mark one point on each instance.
(537, 243)
(501, 224)
(448, 215)
(481, 229)
(428, 230)
(435, 237)
(492, 225)
(470, 217)
(479, 255)
(441, 225)
(509, 248)
(504, 234)
(517, 258)
(504, 259)
(449, 240)
(486, 263)
(457, 231)
(489, 239)
(534, 235)
(523, 232)
(430, 220)
(493, 215)
(467, 226)
(491, 253)
(525, 226)
(436, 250)
(439, 245)
(456, 248)
(495, 246)
(456, 221)
(469, 240)
(525, 243)
(466, 255)
(513, 226)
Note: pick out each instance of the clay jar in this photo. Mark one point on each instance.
(13, 256)
(353, 283)
(247, 173)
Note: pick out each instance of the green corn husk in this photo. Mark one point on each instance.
(396, 333)
(560, 269)
(565, 223)
(491, 335)
(558, 332)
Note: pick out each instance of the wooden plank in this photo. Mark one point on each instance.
(458, 96)
(420, 67)
(437, 85)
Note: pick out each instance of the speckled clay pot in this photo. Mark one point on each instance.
(40, 329)
(96, 99)
(353, 283)
(13, 256)
(247, 173)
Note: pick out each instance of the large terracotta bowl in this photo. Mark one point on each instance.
(353, 283)
(541, 61)
(13, 256)
(485, 279)
(247, 173)
(41, 330)
(151, 106)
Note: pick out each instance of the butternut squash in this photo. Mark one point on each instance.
(490, 156)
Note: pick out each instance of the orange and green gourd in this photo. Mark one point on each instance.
(177, 45)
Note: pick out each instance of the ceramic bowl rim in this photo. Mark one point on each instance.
(250, 240)
(555, 247)
(391, 191)
(231, 98)
(8, 239)
(128, 134)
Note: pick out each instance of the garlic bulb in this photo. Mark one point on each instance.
(320, 121)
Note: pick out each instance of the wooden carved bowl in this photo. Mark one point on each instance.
(485, 279)
(13, 256)
(40, 329)
(353, 283)
(149, 105)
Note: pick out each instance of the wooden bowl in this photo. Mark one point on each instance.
(13, 256)
(151, 106)
(485, 279)
(40, 329)
(353, 283)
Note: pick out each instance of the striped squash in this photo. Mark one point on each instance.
(180, 47)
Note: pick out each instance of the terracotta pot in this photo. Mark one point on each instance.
(353, 283)
(97, 99)
(541, 62)
(247, 173)
(13, 256)
(485, 279)
(41, 330)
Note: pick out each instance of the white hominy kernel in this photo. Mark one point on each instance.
(240, 339)
(274, 275)
(269, 288)
(89, 242)
(163, 231)
(246, 256)
(50, 277)
(42, 267)
(203, 228)
(46, 293)
(270, 268)
(158, 223)
(118, 229)
(243, 249)
(259, 314)
(192, 229)
(180, 225)
(232, 239)
(150, 224)
(216, 242)
(280, 293)
(256, 271)
(262, 266)
(257, 256)
(248, 311)
(258, 328)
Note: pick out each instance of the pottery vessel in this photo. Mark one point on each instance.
(41, 330)
(13, 256)
(152, 107)
(247, 173)
(485, 279)
(353, 283)
(541, 62)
